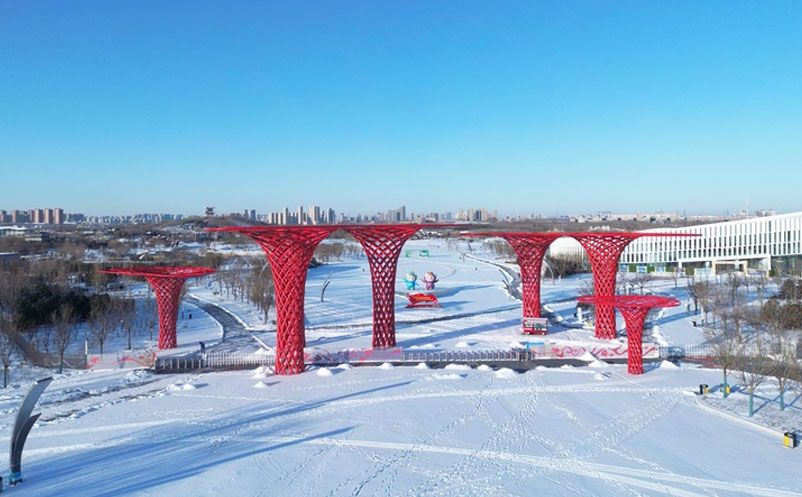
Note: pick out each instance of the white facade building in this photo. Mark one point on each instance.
(759, 243)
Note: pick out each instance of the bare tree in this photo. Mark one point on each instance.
(64, 330)
(126, 310)
(642, 280)
(753, 364)
(101, 317)
(7, 346)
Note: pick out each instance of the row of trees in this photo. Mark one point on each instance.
(748, 340)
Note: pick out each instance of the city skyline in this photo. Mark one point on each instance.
(526, 107)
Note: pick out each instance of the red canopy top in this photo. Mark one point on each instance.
(585, 234)
(161, 271)
(631, 301)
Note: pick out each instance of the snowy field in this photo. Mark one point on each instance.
(408, 431)
(400, 431)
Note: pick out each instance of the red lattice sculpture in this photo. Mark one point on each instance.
(604, 249)
(382, 245)
(289, 250)
(634, 308)
(530, 248)
(166, 283)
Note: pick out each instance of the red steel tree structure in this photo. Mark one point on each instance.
(382, 244)
(604, 249)
(634, 308)
(530, 248)
(166, 283)
(289, 249)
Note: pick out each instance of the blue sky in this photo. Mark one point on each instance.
(546, 107)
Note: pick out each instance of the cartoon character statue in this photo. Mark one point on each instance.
(411, 280)
(429, 279)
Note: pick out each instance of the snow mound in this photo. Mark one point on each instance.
(506, 374)
(264, 351)
(483, 367)
(386, 365)
(344, 367)
(566, 366)
(668, 365)
(422, 365)
(324, 372)
(600, 376)
(260, 384)
(179, 387)
(458, 367)
(541, 367)
(136, 376)
(597, 364)
(462, 345)
(263, 370)
(445, 376)
(516, 345)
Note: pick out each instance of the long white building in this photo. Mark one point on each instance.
(770, 244)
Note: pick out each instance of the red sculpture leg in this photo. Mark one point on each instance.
(634, 317)
(167, 282)
(289, 251)
(530, 248)
(604, 251)
(168, 296)
(382, 245)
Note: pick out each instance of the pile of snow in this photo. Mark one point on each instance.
(422, 365)
(601, 376)
(668, 365)
(458, 367)
(427, 346)
(260, 384)
(386, 365)
(566, 366)
(462, 345)
(541, 367)
(136, 376)
(506, 374)
(344, 367)
(324, 372)
(178, 387)
(264, 351)
(516, 345)
(261, 372)
(483, 367)
(445, 376)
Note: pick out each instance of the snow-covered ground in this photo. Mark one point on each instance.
(572, 431)
(408, 430)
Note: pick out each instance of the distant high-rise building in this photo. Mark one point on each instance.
(58, 216)
(37, 216)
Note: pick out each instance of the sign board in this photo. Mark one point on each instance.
(129, 359)
(618, 351)
(535, 326)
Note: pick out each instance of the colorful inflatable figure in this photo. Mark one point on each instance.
(411, 280)
(429, 279)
